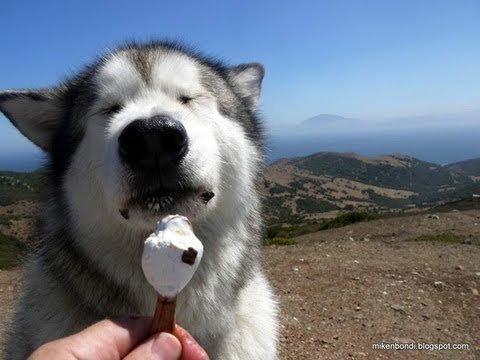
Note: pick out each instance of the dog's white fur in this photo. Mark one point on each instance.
(220, 157)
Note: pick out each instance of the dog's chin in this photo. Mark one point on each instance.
(143, 212)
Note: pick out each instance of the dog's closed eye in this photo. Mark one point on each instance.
(111, 110)
(184, 99)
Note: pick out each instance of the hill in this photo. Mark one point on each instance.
(16, 186)
(469, 167)
(304, 187)
(321, 184)
(471, 203)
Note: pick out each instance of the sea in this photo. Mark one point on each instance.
(436, 146)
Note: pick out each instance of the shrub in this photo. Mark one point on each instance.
(443, 237)
(310, 205)
(11, 251)
(280, 241)
(347, 219)
(279, 189)
(298, 228)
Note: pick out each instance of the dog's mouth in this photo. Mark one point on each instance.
(163, 201)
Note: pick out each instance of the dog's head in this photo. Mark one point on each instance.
(147, 130)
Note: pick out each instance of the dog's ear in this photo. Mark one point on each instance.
(36, 113)
(247, 80)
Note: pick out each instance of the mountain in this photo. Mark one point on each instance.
(439, 138)
(310, 186)
(425, 121)
(472, 202)
(327, 120)
(469, 167)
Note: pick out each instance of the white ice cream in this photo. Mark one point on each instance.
(167, 262)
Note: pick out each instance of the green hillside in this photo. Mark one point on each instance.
(15, 186)
(410, 174)
(468, 167)
(297, 188)
(300, 187)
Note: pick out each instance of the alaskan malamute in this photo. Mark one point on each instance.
(147, 130)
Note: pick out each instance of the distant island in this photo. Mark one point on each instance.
(323, 120)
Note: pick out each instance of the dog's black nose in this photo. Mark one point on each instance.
(154, 143)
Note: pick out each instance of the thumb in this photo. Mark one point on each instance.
(162, 346)
(105, 340)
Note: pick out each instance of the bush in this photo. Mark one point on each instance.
(5, 221)
(288, 231)
(280, 241)
(11, 251)
(292, 230)
(443, 237)
(309, 205)
(386, 201)
(280, 189)
(347, 219)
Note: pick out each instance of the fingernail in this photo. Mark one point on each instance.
(166, 347)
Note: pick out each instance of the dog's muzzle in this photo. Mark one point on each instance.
(153, 150)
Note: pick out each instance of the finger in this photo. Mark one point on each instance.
(162, 346)
(106, 340)
(109, 339)
(191, 350)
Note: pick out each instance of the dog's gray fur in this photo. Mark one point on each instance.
(86, 264)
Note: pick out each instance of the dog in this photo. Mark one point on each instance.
(147, 130)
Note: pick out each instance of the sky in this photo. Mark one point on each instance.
(358, 58)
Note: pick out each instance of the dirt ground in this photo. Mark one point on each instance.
(342, 290)
(22, 227)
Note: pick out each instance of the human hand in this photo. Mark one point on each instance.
(125, 339)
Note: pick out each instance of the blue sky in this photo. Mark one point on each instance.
(366, 59)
